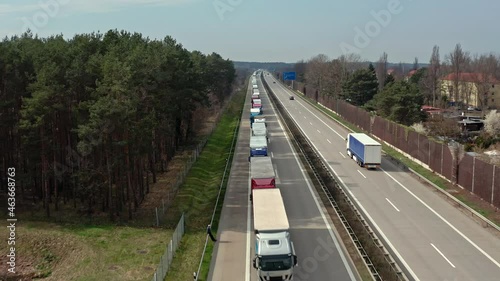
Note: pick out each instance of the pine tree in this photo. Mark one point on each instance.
(361, 87)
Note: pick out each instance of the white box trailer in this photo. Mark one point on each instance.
(269, 213)
(274, 251)
(366, 151)
(259, 129)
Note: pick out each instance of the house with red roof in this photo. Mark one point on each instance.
(410, 74)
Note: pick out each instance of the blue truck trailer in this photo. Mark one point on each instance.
(366, 151)
(258, 146)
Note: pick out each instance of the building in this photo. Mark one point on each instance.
(474, 89)
(410, 74)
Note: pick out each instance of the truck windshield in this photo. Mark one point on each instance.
(274, 263)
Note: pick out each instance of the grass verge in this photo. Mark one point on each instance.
(197, 196)
(76, 248)
(51, 251)
(468, 199)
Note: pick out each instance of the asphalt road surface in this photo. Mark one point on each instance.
(320, 253)
(431, 239)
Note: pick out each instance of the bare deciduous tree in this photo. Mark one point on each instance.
(484, 68)
(300, 70)
(381, 70)
(458, 60)
(399, 72)
(351, 62)
(316, 70)
(431, 80)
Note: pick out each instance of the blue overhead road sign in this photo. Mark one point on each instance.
(288, 75)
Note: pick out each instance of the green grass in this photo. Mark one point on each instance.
(481, 211)
(103, 251)
(88, 252)
(429, 175)
(198, 194)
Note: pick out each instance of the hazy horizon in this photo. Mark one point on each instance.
(276, 30)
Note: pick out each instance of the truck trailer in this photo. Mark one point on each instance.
(258, 146)
(255, 112)
(366, 151)
(275, 256)
(262, 173)
(257, 119)
(259, 129)
(256, 103)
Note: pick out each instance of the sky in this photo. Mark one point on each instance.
(275, 30)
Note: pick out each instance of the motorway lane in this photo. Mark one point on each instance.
(436, 241)
(321, 256)
(229, 261)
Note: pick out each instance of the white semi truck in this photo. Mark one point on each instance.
(275, 257)
(259, 129)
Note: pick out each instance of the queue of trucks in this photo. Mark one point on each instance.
(275, 255)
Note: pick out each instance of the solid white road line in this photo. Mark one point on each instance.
(361, 174)
(249, 231)
(392, 204)
(342, 137)
(276, 177)
(272, 154)
(342, 155)
(416, 197)
(332, 235)
(435, 248)
(384, 237)
(445, 221)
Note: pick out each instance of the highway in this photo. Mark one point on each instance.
(229, 261)
(318, 249)
(321, 256)
(429, 237)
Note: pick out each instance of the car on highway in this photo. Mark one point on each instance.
(292, 98)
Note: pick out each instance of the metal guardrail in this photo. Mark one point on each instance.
(168, 255)
(483, 220)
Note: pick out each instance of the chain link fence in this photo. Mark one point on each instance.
(161, 210)
(168, 256)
